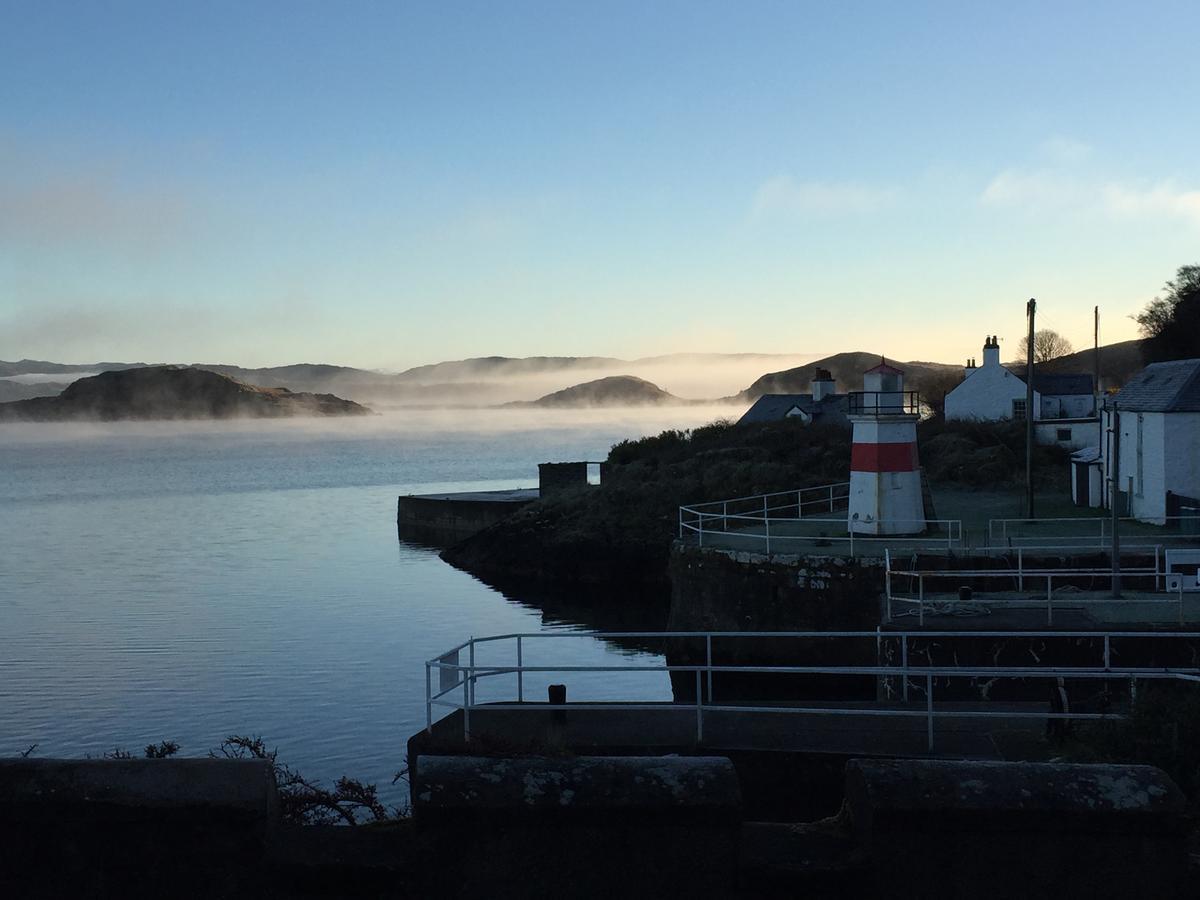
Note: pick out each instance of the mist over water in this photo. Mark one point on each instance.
(186, 581)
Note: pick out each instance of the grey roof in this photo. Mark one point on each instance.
(1053, 385)
(1163, 387)
(774, 407)
(1060, 385)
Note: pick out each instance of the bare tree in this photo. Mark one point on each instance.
(1047, 345)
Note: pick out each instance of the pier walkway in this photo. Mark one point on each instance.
(922, 707)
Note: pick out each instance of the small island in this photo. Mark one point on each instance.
(615, 390)
(172, 392)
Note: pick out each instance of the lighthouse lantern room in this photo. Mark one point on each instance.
(885, 477)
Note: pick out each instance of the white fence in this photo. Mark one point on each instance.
(457, 678)
(1090, 532)
(798, 521)
(1027, 575)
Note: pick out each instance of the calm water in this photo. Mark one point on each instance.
(189, 582)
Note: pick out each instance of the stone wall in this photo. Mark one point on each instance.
(578, 827)
(134, 828)
(940, 828)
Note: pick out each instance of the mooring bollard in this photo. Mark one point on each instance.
(557, 696)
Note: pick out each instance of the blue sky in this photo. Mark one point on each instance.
(391, 184)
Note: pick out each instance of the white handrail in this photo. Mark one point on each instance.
(468, 675)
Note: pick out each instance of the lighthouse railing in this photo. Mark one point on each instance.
(884, 403)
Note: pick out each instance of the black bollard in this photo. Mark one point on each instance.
(557, 697)
(964, 595)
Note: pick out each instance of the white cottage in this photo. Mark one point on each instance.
(1064, 405)
(1159, 468)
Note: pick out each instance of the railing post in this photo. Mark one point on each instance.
(681, 523)
(699, 711)
(1020, 569)
(725, 515)
(929, 711)
(1049, 600)
(851, 530)
(921, 600)
(799, 505)
(520, 673)
(1107, 653)
(768, 524)
(700, 529)
(472, 678)
(831, 498)
(708, 655)
(428, 700)
(904, 665)
(466, 708)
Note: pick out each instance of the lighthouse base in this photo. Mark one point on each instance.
(886, 503)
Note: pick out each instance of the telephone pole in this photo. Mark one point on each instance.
(1114, 465)
(1030, 312)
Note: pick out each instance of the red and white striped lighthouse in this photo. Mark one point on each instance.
(885, 476)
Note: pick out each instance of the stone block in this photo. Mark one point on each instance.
(944, 828)
(145, 827)
(578, 827)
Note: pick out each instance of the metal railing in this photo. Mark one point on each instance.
(1086, 531)
(884, 403)
(455, 676)
(776, 521)
(1035, 576)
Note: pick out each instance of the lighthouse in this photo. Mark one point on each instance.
(885, 478)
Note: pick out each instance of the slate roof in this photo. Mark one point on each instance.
(1060, 385)
(1163, 387)
(775, 407)
(1053, 385)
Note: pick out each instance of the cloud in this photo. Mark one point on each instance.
(783, 196)
(1053, 190)
(1162, 199)
(1035, 189)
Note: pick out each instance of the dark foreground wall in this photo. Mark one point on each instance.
(578, 827)
(132, 828)
(934, 828)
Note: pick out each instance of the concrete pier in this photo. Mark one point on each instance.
(444, 519)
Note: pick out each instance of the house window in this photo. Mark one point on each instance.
(1018, 409)
(1064, 434)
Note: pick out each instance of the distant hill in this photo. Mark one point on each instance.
(847, 370)
(42, 367)
(615, 390)
(1118, 363)
(477, 382)
(172, 392)
(17, 390)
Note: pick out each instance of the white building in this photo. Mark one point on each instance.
(1159, 415)
(1064, 405)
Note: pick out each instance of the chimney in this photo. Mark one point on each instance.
(969, 367)
(991, 351)
(822, 385)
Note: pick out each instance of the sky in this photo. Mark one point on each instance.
(391, 184)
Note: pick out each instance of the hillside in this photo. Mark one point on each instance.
(1118, 363)
(615, 390)
(847, 370)
(170, 392)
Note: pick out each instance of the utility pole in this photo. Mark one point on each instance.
(1030, 313)
(1096, 361)
(1114, 465)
